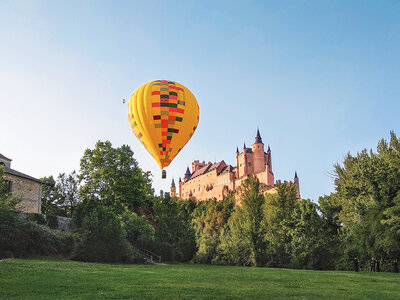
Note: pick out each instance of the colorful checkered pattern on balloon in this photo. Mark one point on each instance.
(134, 127)
(169, 98)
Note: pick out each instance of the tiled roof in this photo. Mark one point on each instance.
(19, 174)
(227, 168)
(200, 171)
(215, 165)
(211, 167)
(3, 157)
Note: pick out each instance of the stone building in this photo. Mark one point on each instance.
(22, 186)
(209, 180)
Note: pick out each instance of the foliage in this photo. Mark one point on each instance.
(139, 232)
(21, 237)
(67, 193)
(209, 218)
(278, 211)
(59, 197)
(242, 241)
(101, 235)
(112, 176)
(367, 203)
(52, 221)
(309, 245)
(174, 233)
(37, 218)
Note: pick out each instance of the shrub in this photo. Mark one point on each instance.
(37, 218)
(101, 236)
(21, 237)
(52, 221)
(139, 232)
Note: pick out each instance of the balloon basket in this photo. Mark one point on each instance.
(163, 174)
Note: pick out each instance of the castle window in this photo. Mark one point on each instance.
(249, 163)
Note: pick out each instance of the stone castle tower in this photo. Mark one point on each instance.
(173, 188)
(255, 160)
(209, 180)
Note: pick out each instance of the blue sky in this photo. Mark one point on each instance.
(319, 78)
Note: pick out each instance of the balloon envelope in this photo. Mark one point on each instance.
(163, 115)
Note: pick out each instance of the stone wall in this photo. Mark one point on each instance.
(27, 190)
(64, 223)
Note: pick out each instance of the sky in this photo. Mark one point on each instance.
(319, 78)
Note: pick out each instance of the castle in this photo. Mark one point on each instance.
(209, 180)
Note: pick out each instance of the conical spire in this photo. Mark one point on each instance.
(173, 183)
(295, 174)
(244, 145)
(187, 174)
(258, 137)
(269, 149)
(180, 180)
(237, 149)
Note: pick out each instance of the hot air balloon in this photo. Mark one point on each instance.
(163, 116)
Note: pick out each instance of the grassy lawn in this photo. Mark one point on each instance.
(62, 279)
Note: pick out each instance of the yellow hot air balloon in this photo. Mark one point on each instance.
(163, 115)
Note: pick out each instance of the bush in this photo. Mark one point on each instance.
(139, 232)
(52, 221)
(37, 218)
(21, 237)
(101, 236)
(163, 249)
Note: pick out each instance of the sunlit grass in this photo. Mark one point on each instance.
(62, 279)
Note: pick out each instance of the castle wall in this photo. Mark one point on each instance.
(27, 190)
(208, 186)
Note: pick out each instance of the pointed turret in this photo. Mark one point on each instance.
(258, 139)
(244, 145)
(187, 174)
(237, 149)
(269, 149)
(180, 180)
(173, 183)
(297, 184)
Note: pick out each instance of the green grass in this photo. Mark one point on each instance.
(62, 279)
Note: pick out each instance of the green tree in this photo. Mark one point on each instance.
(66, 191)
(367, 189)
(112, 176)
(278, 211)
(101, 236)
(309, 245)
(209, 218)
(49, 197)
(139, 231)
(59, 197)
(174, 233)
(242, 241)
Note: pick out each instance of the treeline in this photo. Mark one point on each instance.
(115, 214)
(275, 230)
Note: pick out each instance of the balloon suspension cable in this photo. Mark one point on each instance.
(163, 174)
